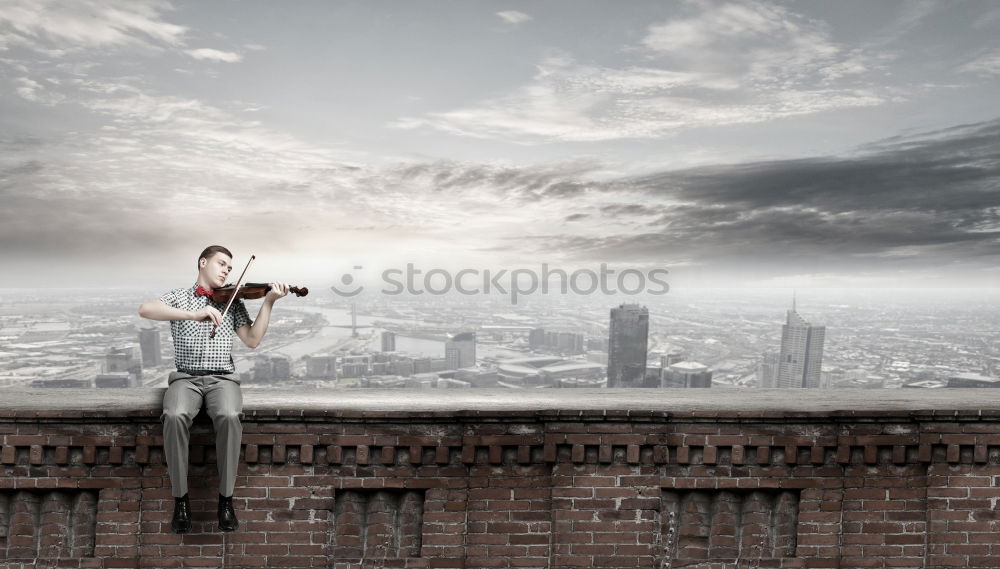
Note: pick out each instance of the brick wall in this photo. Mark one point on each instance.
(571, 478)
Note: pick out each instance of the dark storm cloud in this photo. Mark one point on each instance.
(924, 201)
(953, 170)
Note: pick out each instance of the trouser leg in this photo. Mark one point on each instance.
(224, 404)
(181, 404)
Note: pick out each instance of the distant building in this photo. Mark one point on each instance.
(628, 339)
(355, 366)
(261, 370)
(671, 358)
(477, 378)
(271, 368)
(801, 352)
(281, 367)
(460, 350)
(687, 374)
(767, 370)
(570, 342)
(149, 344)
(564, 342)
(124, 359)
(421, 365)
(597, 344)
(388, 341)
(973, 380)
(111, 380)
(403, 367)
(321, 366)
(536, 338)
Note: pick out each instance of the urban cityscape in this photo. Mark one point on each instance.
(693, 339)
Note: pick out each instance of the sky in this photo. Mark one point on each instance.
(733, 143)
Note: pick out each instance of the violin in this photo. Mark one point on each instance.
(249, 291)
(225, 294)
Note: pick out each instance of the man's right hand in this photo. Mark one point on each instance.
(207, 314)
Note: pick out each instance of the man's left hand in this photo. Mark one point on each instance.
(277, 291)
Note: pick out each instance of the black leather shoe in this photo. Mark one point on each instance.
(182, 515)
(227, 517)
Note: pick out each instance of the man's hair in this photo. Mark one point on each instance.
(212, 250)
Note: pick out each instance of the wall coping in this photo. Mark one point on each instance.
(968, 404)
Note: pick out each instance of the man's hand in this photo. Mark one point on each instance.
(207, 314)
(277, 291)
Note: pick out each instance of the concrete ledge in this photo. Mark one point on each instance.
(609, 404)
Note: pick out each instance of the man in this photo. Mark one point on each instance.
(205, 372)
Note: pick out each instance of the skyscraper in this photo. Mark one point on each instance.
(460, 350)
(801, 352)
(627, 345)
(388, 341)
(149, 343)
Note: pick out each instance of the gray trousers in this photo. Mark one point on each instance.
(224, 404)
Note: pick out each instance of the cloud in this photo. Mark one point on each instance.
(59, 29)
(35, 92)
(727, 63)
(573, 102)
(44, 24)
(514, 17)
(948, 170)
(986, 65)
(921, 203)
(214, 55)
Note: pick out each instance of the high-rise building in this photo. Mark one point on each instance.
(125, 359)
(388, 341)
(627, 345)
(149, 344)
(801, 352)
(767, 370)
(460, 350)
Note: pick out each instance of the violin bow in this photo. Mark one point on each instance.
(232, 298)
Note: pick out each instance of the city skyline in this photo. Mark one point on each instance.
(871, 341)
(744, 143)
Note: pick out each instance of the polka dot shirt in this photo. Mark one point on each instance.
(193, 350)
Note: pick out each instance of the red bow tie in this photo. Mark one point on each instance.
(202, 291)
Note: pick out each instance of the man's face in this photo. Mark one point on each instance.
(216, 269)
